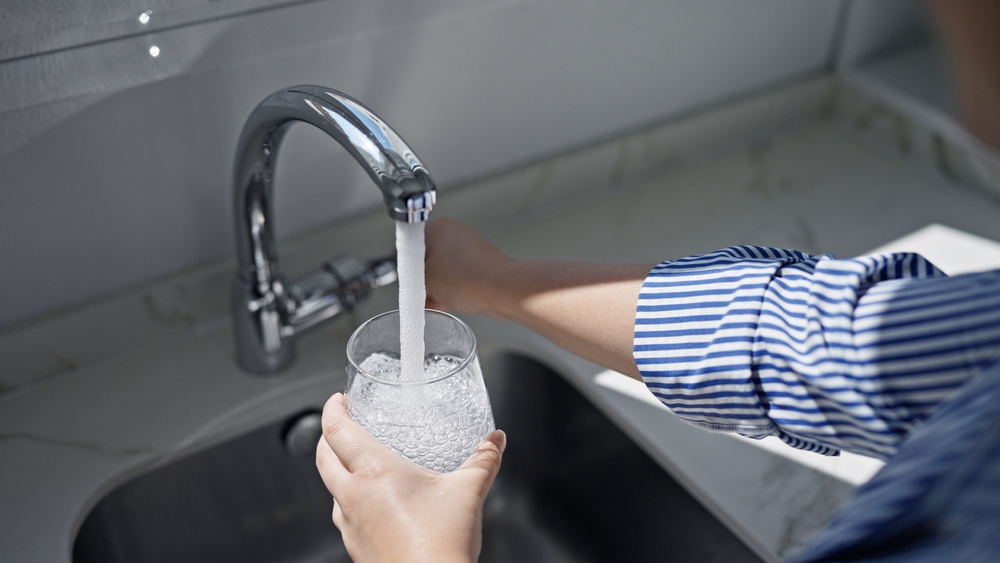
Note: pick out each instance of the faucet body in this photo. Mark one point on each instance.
(268, 311)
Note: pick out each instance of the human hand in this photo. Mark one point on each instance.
(391, 510)
(462, 268)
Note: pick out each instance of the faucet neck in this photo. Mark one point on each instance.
(407, 189)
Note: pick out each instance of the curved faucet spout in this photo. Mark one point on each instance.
(390, 162)
(267, 314)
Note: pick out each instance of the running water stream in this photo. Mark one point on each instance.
(412, 296)
(406, 402)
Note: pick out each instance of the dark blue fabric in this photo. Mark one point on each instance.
(938, 498)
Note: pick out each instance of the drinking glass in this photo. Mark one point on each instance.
(436, 421)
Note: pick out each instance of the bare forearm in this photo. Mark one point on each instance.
(588, 309)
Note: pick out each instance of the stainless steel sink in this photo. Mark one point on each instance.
(573, 488)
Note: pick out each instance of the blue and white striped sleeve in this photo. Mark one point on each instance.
(826, 354)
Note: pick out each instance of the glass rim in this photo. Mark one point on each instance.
(465, 361)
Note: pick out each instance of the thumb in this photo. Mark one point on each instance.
(486, 459)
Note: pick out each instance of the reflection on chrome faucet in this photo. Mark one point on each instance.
(269, 312)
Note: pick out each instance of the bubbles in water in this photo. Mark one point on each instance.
(437, 425)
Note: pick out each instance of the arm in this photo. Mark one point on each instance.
(750, 340)
(588, 309)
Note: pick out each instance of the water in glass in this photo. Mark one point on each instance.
(436, 419)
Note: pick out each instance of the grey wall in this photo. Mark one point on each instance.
(114, 165)
(894, 45)
(877, 27)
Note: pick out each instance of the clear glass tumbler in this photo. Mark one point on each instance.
(436, 421)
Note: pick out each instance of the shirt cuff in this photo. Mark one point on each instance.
(696, 322)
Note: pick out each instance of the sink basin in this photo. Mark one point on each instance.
(573, 488)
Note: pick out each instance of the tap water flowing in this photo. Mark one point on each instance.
(410, 250)
(429, 402)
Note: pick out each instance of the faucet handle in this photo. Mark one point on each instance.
(335, 287)
(357, 278)
(385, 271)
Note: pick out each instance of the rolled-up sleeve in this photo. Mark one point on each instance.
(826, 354)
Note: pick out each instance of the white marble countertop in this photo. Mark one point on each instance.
(68, 439)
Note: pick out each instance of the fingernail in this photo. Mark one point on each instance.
(500, 439)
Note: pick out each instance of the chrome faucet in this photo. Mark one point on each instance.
(269, 312)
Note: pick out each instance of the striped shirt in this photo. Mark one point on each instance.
(938, 498)
(826, 354)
